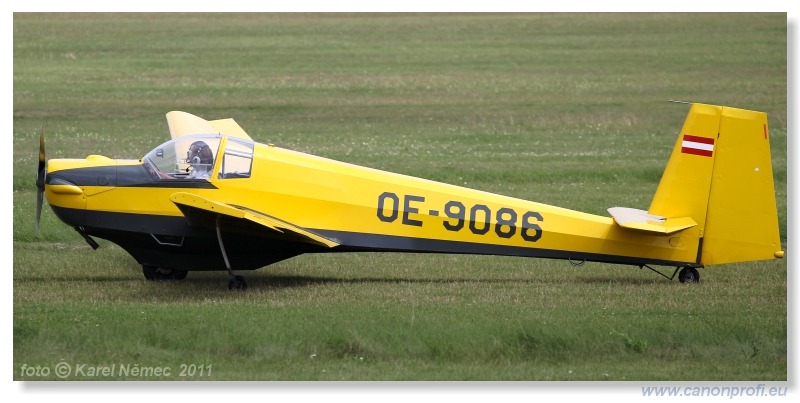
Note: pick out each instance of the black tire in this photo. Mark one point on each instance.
(155, 273)
(689, 275)
(237, 283)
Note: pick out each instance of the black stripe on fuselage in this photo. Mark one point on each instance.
(87, 176)
(124, 176)
(389, 243)
(145, 223)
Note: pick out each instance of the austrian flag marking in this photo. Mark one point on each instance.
(697, 145)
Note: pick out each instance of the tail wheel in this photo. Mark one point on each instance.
(155, 273)
(689, 275)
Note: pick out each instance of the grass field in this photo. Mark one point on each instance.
(564, 109)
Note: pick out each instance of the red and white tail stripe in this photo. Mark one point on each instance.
(695, 145)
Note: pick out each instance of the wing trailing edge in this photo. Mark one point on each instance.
(189, 203)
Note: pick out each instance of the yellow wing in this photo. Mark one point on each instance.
(194, 208)
(182, 124)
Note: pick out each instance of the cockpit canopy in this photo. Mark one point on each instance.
(194, 156)
(187, 157)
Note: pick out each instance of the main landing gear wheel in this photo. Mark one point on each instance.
(237, 283)
(689, 275)
(155, 273)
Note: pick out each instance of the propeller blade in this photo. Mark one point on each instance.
(39, 200)
(41, 150)
(40, 177)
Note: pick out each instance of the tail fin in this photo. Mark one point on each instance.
(720, 175)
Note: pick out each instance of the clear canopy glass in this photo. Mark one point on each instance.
(187, 157)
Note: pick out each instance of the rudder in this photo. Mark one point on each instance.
(742, 221)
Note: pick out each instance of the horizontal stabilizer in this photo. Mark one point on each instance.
(188, 203)
(644, 221)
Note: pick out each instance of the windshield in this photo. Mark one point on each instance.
(187, 157)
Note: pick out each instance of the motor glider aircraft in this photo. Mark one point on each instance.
(213, 199)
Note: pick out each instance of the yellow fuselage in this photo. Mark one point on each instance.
(715, 204)
(369, 209)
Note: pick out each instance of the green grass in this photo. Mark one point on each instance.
(565, 109)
